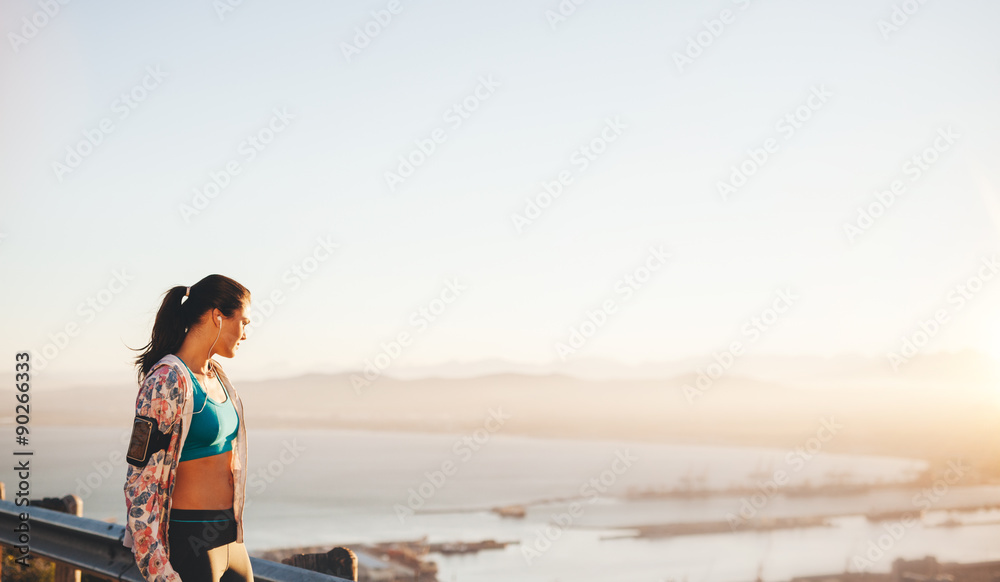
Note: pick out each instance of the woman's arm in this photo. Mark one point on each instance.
(147, 488)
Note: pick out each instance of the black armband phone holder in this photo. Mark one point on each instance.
(146, 441)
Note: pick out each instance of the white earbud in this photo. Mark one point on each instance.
(219, 317)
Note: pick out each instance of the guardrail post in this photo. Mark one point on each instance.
(339, 561)
(73, 505)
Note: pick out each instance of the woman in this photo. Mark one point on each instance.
(186, 479)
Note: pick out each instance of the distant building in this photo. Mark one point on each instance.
(925, 570)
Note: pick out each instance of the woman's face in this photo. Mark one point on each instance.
(233, 331)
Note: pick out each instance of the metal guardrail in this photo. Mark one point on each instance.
(96, 546)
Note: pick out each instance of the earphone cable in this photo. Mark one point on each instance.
(211, 368)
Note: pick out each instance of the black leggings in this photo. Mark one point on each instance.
(203, 546)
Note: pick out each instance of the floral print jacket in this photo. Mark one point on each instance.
(166, 395)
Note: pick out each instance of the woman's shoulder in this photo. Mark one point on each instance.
(165, 383)
(168, 369)
(169, 360)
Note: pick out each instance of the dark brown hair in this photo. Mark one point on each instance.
(175, 317)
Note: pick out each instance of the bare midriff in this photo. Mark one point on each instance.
(205, 483)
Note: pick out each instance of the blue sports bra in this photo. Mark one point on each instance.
(213, 428)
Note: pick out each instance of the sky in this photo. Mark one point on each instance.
(113, 116)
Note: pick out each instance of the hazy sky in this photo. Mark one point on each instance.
(658, 135)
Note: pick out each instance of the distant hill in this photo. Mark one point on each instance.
(939, 407)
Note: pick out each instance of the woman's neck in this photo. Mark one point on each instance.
(197, 364)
